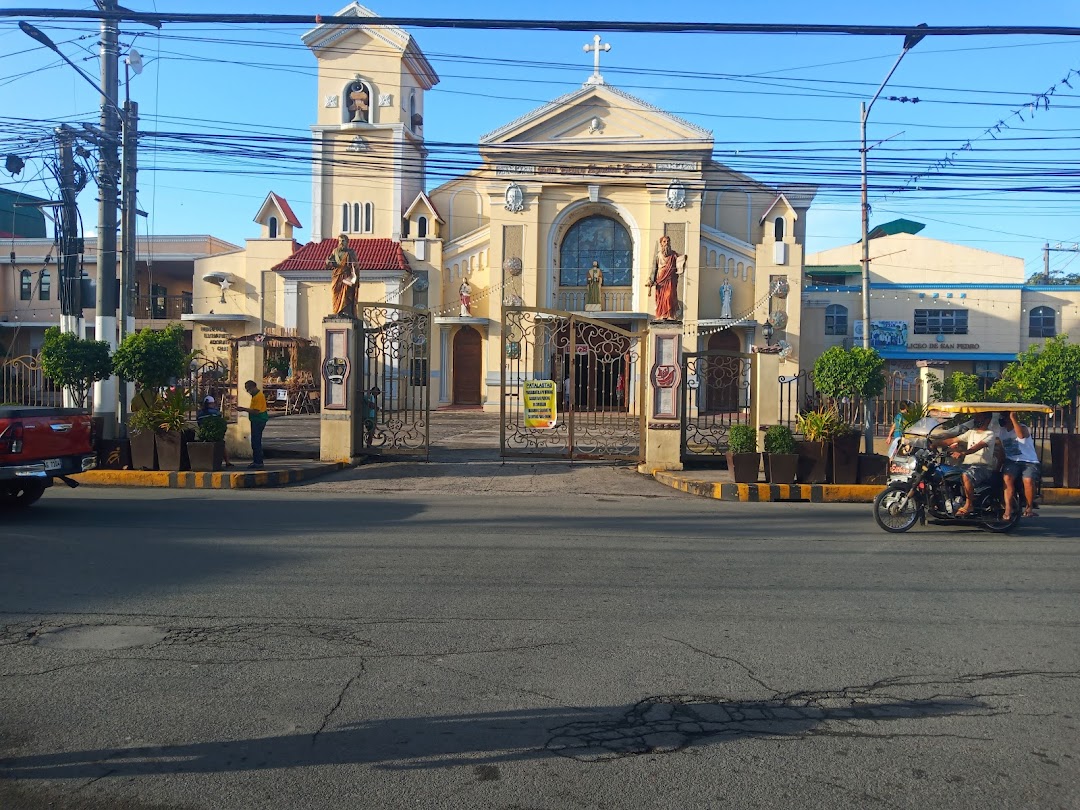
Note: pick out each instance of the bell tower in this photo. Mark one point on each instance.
(368, 140)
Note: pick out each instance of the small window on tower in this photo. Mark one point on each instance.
(273, 227)
(421, 227)
(369, 217)
(26, 285)
(778, 229)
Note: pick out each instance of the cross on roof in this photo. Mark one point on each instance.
(596, 47)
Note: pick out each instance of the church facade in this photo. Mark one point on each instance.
(564, 210)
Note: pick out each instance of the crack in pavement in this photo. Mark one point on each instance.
(665, 724)
(749, 672)
(337, 704)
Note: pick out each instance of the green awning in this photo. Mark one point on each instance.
(896, 226)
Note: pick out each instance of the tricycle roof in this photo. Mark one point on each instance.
(988, 407)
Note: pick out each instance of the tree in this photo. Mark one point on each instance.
(152, 359)
(1056, 277)
(841, 372)
(1047, 373)
(957, 387)
(73, 363)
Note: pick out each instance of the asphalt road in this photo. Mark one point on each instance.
(528, 637)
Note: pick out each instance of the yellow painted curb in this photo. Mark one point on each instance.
(205, 480)
(814, 493)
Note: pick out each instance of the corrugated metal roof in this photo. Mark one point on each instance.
(371, 254)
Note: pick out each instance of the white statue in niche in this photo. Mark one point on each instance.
(515, 199)
(725, 299)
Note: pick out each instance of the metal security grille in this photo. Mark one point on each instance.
(715, 395)
(396, 396)
(599, 374)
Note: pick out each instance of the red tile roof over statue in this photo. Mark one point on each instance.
(371, 254)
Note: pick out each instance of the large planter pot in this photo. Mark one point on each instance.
(873, 469)
(813, 462)
(206, 456)
(1065, 459)
(744, 467)
(780, 468)
(172, 451)
(115, 454)
(143, 451)
(845, 459)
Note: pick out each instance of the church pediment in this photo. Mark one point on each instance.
(596, 116)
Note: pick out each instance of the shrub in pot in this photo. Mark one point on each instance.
(781, 460)
(173, 432)
(742, 457)
(207, 452)
(142, 432)
(817, 428)
(844, 463)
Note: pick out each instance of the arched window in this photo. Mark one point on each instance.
(26, 285)
(778, 229)
(836, 320)
(421, 227)
(356, 108)
(369, 217)
(596, 239)
(344, 217)
(1042, 323)
(45, 286)
(356, 217)
(273, 227)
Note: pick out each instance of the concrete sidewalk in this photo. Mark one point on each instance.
(718, 484)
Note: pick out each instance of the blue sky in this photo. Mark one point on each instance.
(780, 107)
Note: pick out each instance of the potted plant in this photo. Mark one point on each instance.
(151, 359)
(207, 452)
(75, 365)
(781, 460)
(817, 428)
(743, 459)
(855, 372)
(844, 454)
(142, 433)
(172, 432)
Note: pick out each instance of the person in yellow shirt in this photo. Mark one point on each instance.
(259, 416)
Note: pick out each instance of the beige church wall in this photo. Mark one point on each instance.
(376, 62)
(714, 270)
(353, 182)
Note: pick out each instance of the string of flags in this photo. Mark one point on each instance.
(1041, 102)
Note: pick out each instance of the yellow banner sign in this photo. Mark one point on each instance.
(540, 404)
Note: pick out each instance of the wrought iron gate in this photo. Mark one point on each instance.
(396, 396)
(598, 371)
(716, 394)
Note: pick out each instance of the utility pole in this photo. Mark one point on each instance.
(70, 281)
(128, 236)
(105, 391)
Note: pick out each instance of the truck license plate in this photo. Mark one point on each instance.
(53, 464)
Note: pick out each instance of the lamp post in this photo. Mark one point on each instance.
(767, 333)
(910, 41)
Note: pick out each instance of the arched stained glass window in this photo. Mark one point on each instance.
(596, 239)
(836, 317)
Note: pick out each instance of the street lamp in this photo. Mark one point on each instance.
(910, 41)
(767, 333)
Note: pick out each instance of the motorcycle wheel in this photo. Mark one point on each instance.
(1000, 525)
(894, 511)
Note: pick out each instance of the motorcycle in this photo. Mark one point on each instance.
(923, 483)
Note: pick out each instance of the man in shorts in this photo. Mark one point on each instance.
(979, 456)
(1021, 462)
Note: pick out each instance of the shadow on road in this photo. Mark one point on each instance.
(656, 725)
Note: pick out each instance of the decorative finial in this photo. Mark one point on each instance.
(595, 48)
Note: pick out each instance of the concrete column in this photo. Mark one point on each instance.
(927, 376)
(292, 298)
(663, 433)
(764, 394)
(341, 418)
(249, 366)
(444, 365)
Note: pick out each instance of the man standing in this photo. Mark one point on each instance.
(1021, 462)
(665, 279)
(981, 447)
(342, 265)
(258, 416)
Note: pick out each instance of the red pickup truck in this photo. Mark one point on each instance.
(38, 445)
